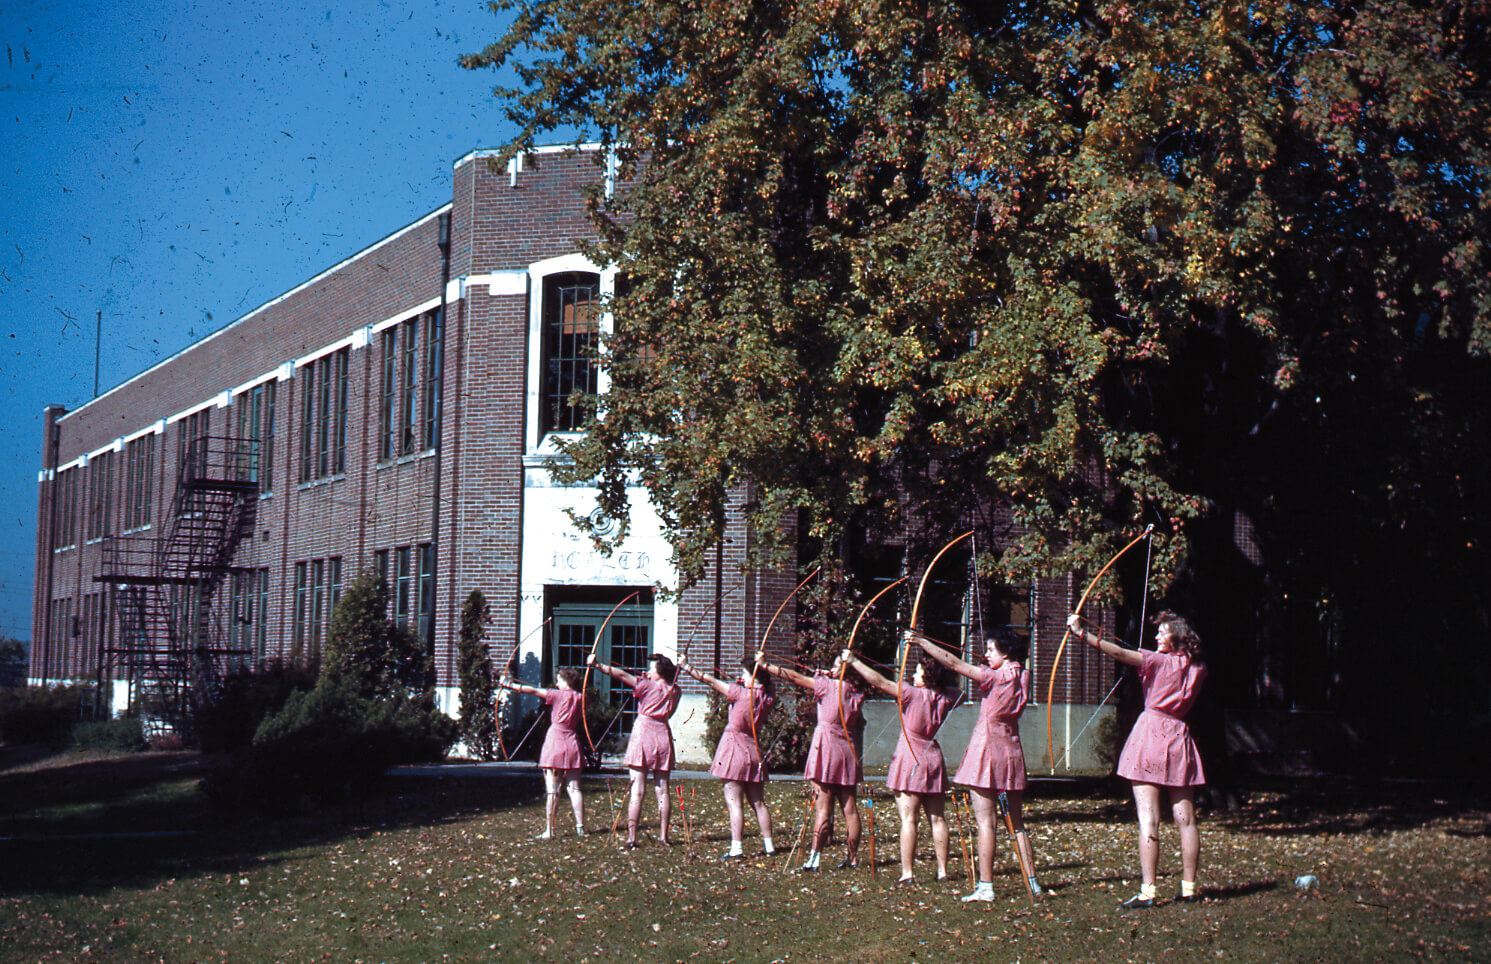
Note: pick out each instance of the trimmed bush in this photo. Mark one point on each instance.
(126, 733)
(329, 744)
(246, 699)
(41, 714)
(372, 707)
(478, 703)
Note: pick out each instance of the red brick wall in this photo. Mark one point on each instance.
(495, 226)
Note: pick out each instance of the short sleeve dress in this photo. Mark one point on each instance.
(651, 745)
(737, 757)
(561, 749)
(831, 757)
(917, 765)
(1159, 749)
(995, 760)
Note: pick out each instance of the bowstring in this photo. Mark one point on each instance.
(1143, 610)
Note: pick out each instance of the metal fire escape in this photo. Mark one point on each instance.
(171, 650)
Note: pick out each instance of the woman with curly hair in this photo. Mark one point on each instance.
(833, 767)
(917, 775)
(649, 751)
(994, 761)
(737, 759)
(560, 756)
(1160, 755)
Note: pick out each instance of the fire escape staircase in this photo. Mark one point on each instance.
(169, 646)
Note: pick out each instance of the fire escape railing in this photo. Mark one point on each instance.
(166, 642)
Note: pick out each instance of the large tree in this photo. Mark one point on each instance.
(1216, 266)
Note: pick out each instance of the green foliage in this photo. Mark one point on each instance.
(13, 662)
(478, 722)
(379, 656)
(1221, 267)
(330, 743)
(43, 714)
(244, 700)
(126, 733)
(372, 707)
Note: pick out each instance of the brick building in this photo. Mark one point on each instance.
(398, 410)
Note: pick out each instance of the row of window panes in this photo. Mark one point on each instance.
(318, 589)
(409, 573)
(323, 417)
(248, 613)
(409, 387)
(256, 435)
(408, 407)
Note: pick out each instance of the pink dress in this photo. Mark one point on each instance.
(1160, 749)
(925, 772)
(737, 757)
(651, 745)
(831, 757)
(995, 760)
(561, 750)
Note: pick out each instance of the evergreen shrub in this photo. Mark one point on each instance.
(126, 733)
(42, 714)
(245, 700)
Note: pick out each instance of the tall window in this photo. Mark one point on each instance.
(61, 625)
(408, 571)
(261, 614)
(571, 336)
(250, 612)
(65, 492)
(256, 430)
(139, 472)
(323, 416)
(100, 495)
(403, 586)
(191, 435)
(408, 387)
(302, 611)
(387, 445)
(424, 602)
(318, 588)
(89, 627)
(318, 602)
(431, 405)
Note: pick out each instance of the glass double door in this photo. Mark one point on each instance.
(625, 641)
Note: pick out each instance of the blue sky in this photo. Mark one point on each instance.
(174, 165)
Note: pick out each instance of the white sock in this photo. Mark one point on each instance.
(766, 844)
(984, 890)
(736, 848)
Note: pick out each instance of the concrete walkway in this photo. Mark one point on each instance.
(524, 768)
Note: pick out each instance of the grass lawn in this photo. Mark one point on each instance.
(117, 859)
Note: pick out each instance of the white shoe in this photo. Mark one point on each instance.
(546, 835)
(980, 893)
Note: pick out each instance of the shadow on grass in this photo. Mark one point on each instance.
(1355, 807)
(1241, 890)
(1299, 807)
(79, 825)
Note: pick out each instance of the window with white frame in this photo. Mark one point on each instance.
(570, 341)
